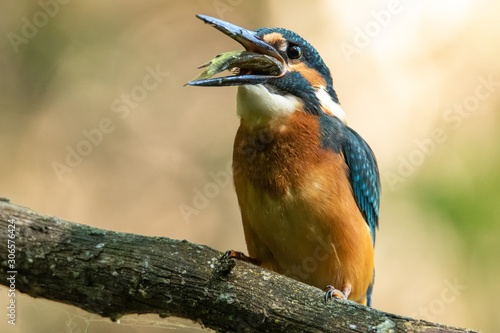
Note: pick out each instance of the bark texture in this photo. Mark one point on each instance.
(113, 274)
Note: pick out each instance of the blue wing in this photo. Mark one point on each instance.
(363, 169)
(363, 176)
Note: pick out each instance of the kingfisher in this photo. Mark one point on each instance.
(308, 185)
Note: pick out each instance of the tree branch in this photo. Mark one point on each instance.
(114, 274)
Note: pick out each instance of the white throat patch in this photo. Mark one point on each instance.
(256, 104)
(329, 106)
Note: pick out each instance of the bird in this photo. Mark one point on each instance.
(307, 184)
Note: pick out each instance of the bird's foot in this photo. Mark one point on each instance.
(231, 254)
(332, 292)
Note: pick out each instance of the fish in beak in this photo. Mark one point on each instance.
(257, 64)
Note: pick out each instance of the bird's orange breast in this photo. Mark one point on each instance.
(299, 214)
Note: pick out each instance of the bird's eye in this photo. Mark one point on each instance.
(294, 52)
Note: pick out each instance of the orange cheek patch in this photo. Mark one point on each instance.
(312, 76)
(275, 39)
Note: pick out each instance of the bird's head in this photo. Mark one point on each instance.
(278, 74)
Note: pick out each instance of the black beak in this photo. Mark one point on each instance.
(255, 46)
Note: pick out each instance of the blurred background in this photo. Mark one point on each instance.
(97, 128)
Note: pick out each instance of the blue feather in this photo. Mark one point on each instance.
(363, 170)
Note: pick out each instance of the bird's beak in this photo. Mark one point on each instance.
(259, 63)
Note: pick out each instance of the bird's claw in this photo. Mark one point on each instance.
(232, 254)
(332, 292)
